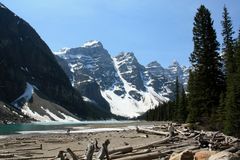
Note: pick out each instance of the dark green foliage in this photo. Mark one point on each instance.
(173, 110)
(176, 108)
(228, 43)
(231, 121)
(182, 107)
(232, 100)
(220, 115)
(206, 78)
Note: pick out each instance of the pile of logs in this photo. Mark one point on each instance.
(184, 144)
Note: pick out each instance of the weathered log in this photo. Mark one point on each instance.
(73, 155)
(231, 149)
(182, 133)
(90, 151)
(61, 155)
(130, 154)
(152, 144)
(30, 158)
(6, 155)
(34, 148)
(103, 152)
(124, 149)
(146, 156)
(148, 131)
(33, 141)
(54, 149)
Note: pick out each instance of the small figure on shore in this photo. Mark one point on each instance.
(104, 151)
(171, 130)
(68, 131)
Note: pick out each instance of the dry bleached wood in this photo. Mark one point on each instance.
(6, 155)
(148, 131)
(90, 151)
(130, 154)
(153, 143)
(33, 148)
(103, 152)
(30, 158)
(124, 149)
(73, 155)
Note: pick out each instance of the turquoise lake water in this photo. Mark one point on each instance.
(49, 126)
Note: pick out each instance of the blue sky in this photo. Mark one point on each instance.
(153, 29)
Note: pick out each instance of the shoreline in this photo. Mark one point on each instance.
(47, 146)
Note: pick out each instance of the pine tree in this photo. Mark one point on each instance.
(176, 106)
(220, 117)
(231, 106)
(207, 77)
(182, 111)
(237, 80)
(228, 43)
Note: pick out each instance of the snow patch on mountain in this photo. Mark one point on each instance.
(47, 117)
(92, 43)
(129, 88)
(28, 112)
(62, 51)
(25, 97)
(128, 107)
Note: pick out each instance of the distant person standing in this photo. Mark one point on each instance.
(68, 131)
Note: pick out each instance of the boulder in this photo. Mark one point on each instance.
(203, 155)
(185, 155)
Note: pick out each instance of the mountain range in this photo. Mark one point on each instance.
(119, 83)
(74, 83)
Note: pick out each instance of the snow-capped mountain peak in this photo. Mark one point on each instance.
(121, 83)
(154, 64)
(92, 44)
(62, 51)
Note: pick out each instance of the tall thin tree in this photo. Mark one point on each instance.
(207, 78)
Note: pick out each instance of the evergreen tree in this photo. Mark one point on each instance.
(182, 111)
(231, 124)
(237, 80)
(228, 43)
(176, 106)
(221, 113)
(207, 78)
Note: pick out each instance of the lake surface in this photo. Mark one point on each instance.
(58, 127)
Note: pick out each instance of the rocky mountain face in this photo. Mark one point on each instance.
(119, 84)
(32, 81)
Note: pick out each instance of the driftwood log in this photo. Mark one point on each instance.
(152, 144)
(6, 155)
(148, 131)
(73, 155)
(124, 149)
(130, 154)
(103, 152)
(90, 151)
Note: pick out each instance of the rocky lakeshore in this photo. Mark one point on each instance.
(138, 140)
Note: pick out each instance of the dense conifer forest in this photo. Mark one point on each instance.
(212, 97)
